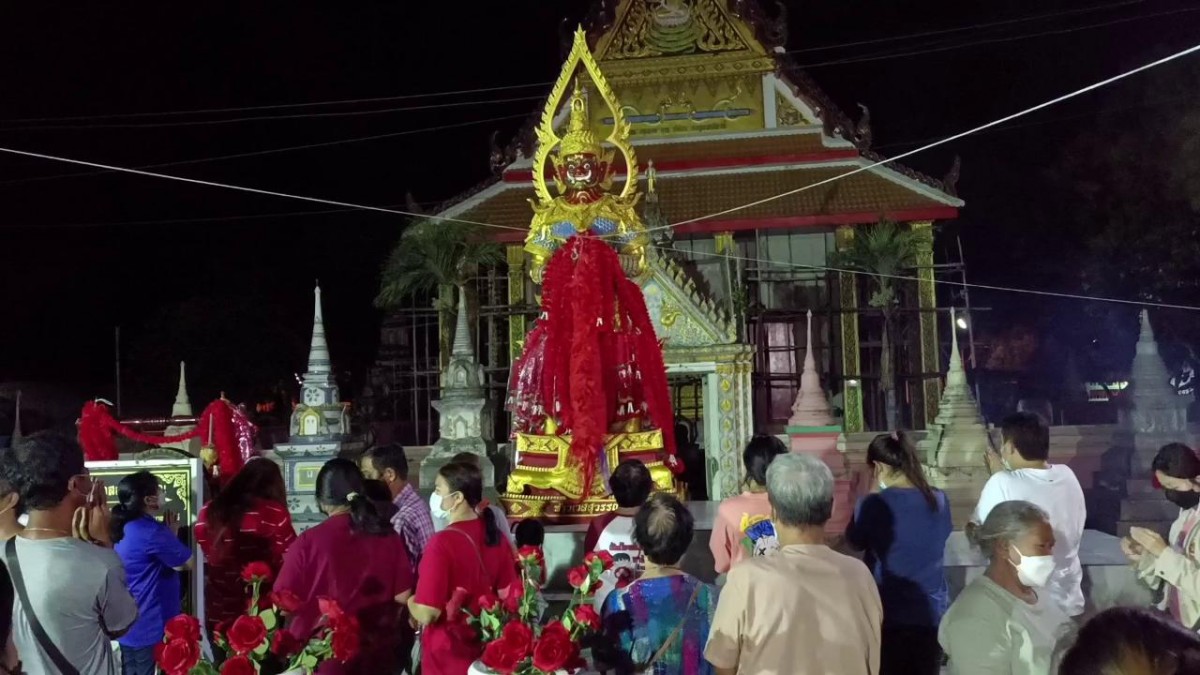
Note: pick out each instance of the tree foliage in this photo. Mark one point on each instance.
(433, 255)
(883, 252)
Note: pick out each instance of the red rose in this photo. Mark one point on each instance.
(586, 616)
(604, 558)
(284, 644)
(177, 656)
(513, 596)
(246, 634)
(330, 609)
(500, 657)
(345, 642)
(455, 605)
(256, 571)
(580, 578)
(238, 665)
(554, 649)
(530, 553)
(519, 637)
(488, 602)
(183, 627)
(286, 601)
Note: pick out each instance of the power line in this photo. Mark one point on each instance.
(262, 118)
(959, 29)
(280, 106)
(948, 139)
(528, 85)
(259, 153)
(949, 282)
(242, 188)
(988, 41)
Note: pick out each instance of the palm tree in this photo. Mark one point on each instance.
(883, 252)
(439, 256)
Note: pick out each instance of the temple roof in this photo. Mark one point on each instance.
(728, 119)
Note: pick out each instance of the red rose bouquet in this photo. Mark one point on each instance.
(513, 640)
(256, 642)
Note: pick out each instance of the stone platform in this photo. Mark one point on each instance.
(1108, 579)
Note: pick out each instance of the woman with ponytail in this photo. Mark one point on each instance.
(356, 559)
(903, 526)
(151, 553)
(471, 554)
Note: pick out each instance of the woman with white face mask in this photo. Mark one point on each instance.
(1004, 623)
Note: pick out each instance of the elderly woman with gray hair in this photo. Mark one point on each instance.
(1003, 623)
(807, 608)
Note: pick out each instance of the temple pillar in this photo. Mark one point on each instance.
(516, 298)
(852, 402)
(931, 362)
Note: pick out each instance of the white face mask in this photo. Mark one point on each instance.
(435, 507)
(1033, 570)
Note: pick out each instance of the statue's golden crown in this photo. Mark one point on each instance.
(579, 139)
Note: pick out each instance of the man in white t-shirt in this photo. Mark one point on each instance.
(1020, 472)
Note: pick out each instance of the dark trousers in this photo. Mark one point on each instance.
(910, 650)
(139, 661)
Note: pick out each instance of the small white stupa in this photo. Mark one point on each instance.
(956, 442)
(811, 408)
(320, 427)
(182, 409)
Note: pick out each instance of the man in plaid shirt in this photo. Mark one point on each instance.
(412, 521)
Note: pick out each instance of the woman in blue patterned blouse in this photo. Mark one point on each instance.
(659, 622)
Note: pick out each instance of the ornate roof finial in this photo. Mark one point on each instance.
(462, 332)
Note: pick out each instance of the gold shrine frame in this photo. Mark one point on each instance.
(547, 138)
(565, 479)
(185, 479)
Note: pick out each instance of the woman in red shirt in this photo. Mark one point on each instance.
(356, 559)
(472, 554)
(246, 522)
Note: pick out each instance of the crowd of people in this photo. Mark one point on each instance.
(81, 577)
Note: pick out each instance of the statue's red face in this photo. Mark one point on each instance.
(582, 172)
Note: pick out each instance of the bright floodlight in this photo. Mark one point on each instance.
(962, 323)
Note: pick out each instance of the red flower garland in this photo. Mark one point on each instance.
(97, 428)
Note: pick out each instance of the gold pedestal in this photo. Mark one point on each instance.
(543, 485)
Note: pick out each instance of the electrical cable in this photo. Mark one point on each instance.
(988, 41)
(259, 153)
(1045, 104)
(948, 282)
(238, 120)
(959, 29)
(243, 188)
(479, 90)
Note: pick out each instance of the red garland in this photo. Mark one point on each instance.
(590, 316)
(97, 426)
(655, 388)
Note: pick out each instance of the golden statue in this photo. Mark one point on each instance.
(590, 388)
(583, 173)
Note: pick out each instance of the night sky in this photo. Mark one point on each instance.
(82, 255)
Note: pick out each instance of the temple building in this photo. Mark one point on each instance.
(753, 179)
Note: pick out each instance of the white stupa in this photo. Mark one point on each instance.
(811, 408)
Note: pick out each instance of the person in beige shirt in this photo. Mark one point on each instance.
(806, 610)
